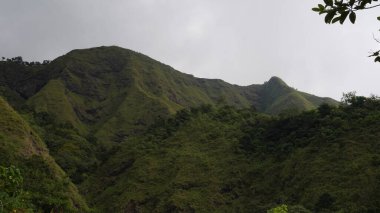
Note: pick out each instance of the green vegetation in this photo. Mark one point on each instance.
(288, 209)
(11, 194)
(227, 160)
(44, 185)
(279, 209)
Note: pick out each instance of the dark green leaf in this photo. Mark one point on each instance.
(352, 17)
(360, 7)
(329, 2)
(336, 19)
(315, 9)
(338, 3)
(378, 18)
(343, 17)
(330, 15)
(363, 4)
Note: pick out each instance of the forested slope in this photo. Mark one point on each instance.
(228, 160)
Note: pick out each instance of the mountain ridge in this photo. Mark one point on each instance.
(113, 93)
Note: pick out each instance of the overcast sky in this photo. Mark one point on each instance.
(240, 41)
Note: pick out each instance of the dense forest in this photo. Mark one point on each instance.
(222, 159)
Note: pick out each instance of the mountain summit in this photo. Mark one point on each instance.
(276, 81)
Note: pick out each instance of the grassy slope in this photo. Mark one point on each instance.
(54, 99)
(44, 179)
(20, 138)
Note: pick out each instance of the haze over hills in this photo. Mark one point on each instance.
(133, 134)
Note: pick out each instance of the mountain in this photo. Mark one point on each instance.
(104, 116)
(98, 89)
(112, 93)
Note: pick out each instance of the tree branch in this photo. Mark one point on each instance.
(377, 40)
(371, 7)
